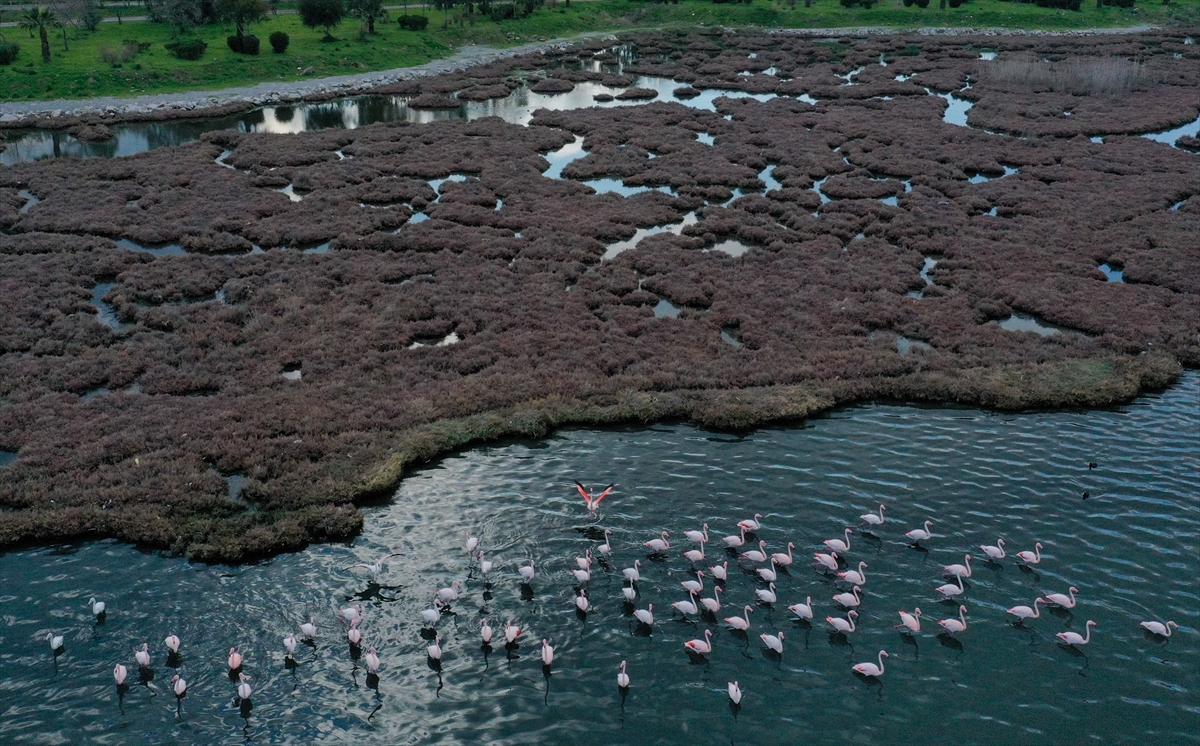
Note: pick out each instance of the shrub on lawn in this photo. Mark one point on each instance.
(190, 49)
(119, 55)
(8, 52)
(244, 44)
(279, 42)
(414, 23)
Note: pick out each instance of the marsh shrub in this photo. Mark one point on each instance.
(190, 49)
(8, 52)
(279, 41)
(1112, 76)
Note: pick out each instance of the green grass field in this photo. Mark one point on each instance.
(80, 73)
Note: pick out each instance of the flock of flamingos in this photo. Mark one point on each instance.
(742, 546)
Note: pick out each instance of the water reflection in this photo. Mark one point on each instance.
(1112, 274)
(666, 309)
(617, 248)
(1023, 322)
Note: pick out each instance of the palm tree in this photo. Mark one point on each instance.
(40, 19)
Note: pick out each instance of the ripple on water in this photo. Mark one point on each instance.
(977, 474)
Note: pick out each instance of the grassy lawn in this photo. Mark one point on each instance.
(79, 72)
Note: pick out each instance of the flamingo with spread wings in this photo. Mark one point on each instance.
(593, 503)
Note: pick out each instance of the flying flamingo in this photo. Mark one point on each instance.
(767, 595)
(713, 605)
(1074, 638)
(1024, 612)
(953, 625)
(854, 577)
(244, 690)
(740, 622)
(851, 599)
(735, 542)
(695, 555)
(735, 693)
(119, 673)
(919, 535)
(1031, 558)
(235, 659)
(962, 571)
(1065, 601)
(172, 644)
(784, 560)
(659, 545)
(593, 503)
(1158, 628)
(757, 555)
(721, 571)
(827, 561)
(485, 633)
(622, 678)
(646, 615)
(697, 537)
(694, 586)
(871, 669)
(632, 574)
(686, 607)
(375, 568)
(872, 519)
(751, 524)
(179, 686)
(547, 653)
(700, 647)
(840, 546)
(773, 642)
(804, 610)
(950, 590)
(845, 626)
(910, 622)
(994, 552)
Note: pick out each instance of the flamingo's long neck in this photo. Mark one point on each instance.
(1087, 635)
(847, 534)
(851, 621)
(880, 661)
(1036, 610)
(962, 617)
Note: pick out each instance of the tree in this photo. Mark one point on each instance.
(366, 11)
(325, 14)
(241, 13)
(40, 19)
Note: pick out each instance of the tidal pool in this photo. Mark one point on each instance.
(1130, 548)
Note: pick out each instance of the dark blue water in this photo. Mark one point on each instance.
(1130, 548)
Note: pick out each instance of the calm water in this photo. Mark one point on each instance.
(1130, 548)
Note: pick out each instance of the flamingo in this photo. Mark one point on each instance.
(721, 571)
(244, 690)
(622, 678)
(773, 642)
(871, 669)
(372, 659)
(854, 577)
(179, 686)
(700, 647)
(804, 610)
(839, 545)
(910, 622)
(740, 622)
(1074, 638)
(646, 615)
(695, 555)
(1031, 558)
(735, 542)
(309, 628)
(375, 568)
(751, 524)
(446, 595)
(697, 537)
(735, 693)
(98, 607)
(845, 626)
(768, 574)
(581, 576)
(686, 607)
(471, 544)
(872, 519)
(235, 659)
(784, 560)
(56, 641)
(757, 555)
(1065, 601)
(659, 545)
(172, 644)
(694, 586)
(143, 656)
(851, 599)
(526, 572)
(593, 503)
(119, 673)
(994, 552)
(431, 615)
(584, 562)
(767, 595)
(953, 625)
(631, 573)
(919, 535)
(289, 643)
(354, 634)
(713, 604)
(962, 571)
(351, 614)
(629, 592)
(485, 633)
(435, 650)
(485, 566)
(605, 549)
(950, 590)
(581, 601)
(827, 561)
(547, 653)
(1024, 612)
(511, 632)
(1158, 628)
